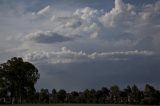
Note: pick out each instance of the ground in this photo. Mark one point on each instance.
(69, 105)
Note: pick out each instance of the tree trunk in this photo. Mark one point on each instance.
(20, 100)
(13, 100)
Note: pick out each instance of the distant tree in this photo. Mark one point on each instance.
(151, 96)
(81, 97)
(128, 92)
(115, 94)
(99, 96)
(53, 96)
(44, 96)
(89, 96)
(86, 96)
(105, 95)
(61, 96)
(92, 96)
(123, 97)
(18, 78)
(36, 98)
(73, 97)
(136, 95)
(54, 92)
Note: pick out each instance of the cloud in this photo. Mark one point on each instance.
(83, 22)
(124, 24)
(88, 14)
(68, 56)
(119, 15)
(73, 24)
(46, 37)
(43, 12)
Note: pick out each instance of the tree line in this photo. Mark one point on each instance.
(17, 80)
(129, 95)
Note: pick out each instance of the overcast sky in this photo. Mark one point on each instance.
(78, 44)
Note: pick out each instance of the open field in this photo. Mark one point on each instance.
(70, 105)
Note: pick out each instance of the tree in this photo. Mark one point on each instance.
(115, 94)
(53, 96)
(73, 97)
(44, 96)
(61, 95)
(135, 95)
(89, 96)
(105, 95)
(128, 92)
(151, 96)
(92, 96)
(99, 97)
(18, 78)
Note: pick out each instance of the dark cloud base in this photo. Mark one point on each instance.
(79, 76)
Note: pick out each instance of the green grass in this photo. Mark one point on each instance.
(70, 105)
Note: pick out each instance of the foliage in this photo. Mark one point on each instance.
(17, 79)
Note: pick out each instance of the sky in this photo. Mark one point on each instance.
(79, 44)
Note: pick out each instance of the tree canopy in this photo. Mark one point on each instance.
(17, 78)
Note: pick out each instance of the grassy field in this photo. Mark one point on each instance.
(70, 105)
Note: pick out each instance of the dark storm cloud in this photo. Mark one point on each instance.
(96, 74)
(47, 37)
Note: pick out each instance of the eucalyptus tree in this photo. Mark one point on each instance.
(18, 78)
(136, 95)
(61, 96)
(44, 96)
(115, 94)
(151, 95)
